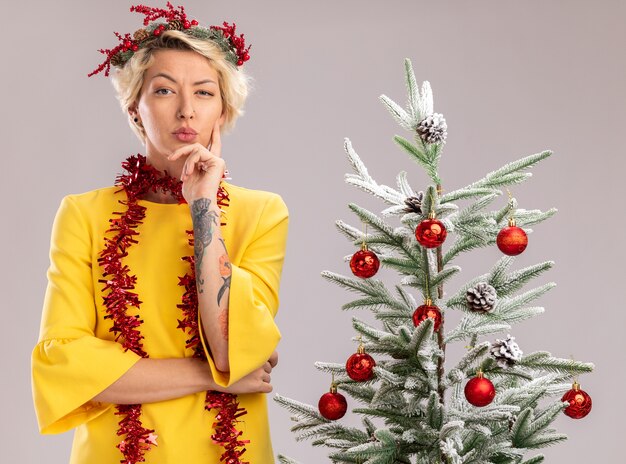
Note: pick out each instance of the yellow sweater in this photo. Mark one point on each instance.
(76, 356)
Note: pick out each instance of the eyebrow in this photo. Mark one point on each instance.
(205, 81)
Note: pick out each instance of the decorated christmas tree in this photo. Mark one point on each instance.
(493, 405)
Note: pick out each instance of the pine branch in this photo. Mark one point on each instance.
(364, 181)
(388, 376)
(403, 185)
(399, 239)
(286, 460)
(384, 450)
(398, 113)
(460, 371)
(391, 414)
(362, 392)
(535, 460)
(528, 431)
(333, 431)
(388, 396)
(487, 414)
(510, 173)
(420, 154)
(542, 360)
(368, 287)
(463, 244)
(413, 104)
(369, 332)
(466, 193)
(441, 277)
(420, 338)
(300, 409)
(331, 368)
(476, 324)
(508, 304)
(434, 411)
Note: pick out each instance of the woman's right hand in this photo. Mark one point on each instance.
(257, 381)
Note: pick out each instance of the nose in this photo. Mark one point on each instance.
(185, 110)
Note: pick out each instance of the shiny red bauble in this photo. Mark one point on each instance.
(424, 312)
(512, 240)
(579, 402)
(430, 233)
(479, 391)
(332, 405)
(364, 263)
(360, 366)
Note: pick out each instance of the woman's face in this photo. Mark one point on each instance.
(180, 91)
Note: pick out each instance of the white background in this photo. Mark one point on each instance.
(511, 78)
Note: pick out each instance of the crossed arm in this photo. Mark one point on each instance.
(151, 380)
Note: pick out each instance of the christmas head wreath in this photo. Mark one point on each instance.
(175, 20)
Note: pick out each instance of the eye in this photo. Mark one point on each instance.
(162, 91)
(205, 93)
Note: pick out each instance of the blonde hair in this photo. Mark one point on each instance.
(233, 82)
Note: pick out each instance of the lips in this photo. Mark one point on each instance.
(185, 134)
(185, 130)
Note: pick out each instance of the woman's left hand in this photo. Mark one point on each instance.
(203, 169)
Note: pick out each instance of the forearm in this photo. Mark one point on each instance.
(151, 380)
(213, 274)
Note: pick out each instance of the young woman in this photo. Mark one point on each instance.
(158, 337)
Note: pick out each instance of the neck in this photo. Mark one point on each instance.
(160, 197)
(160, 162)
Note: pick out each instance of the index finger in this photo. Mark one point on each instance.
(216, 140)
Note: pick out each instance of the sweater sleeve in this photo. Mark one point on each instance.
(69, 364)
(253, 297)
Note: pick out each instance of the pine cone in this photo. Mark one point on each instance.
(482, 297)
(176, 25)
(432, 129)
(506, 352)
(414, 204)
(117, 59)
(141, 34)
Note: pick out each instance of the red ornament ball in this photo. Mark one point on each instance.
(332, 405)
(479, 391)
(579, 402)
(512, 240)
(425, 311)
(360, 367)
(364, 263)
(431, 233)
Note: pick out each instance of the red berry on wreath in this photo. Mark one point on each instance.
(364, 263)
(512, 240)
(360, 366)
(332, 405)
(479, 391)
(579, 402)
(431, 233)
(423, 312)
